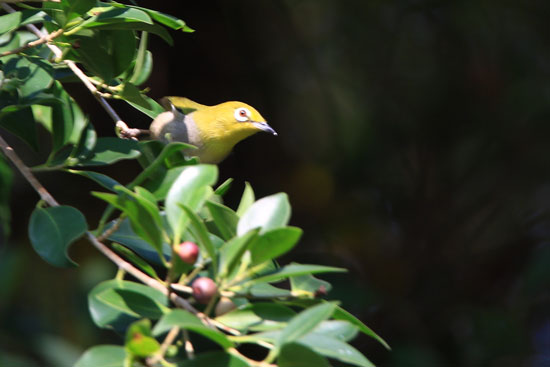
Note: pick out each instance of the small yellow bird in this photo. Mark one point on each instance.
(214, 130)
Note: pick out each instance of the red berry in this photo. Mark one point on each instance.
(187, 251)
(204, 289)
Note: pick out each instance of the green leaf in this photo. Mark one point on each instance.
(53, 230)
(309, 285)
(247, 199)
(88, 139)
(32, 74)
(144, 215)
(116, 303)
(258, 317)
(222, 189)
(341, 314)
(191, 188)
(232, 252)
(103, 180)
(305, 322)
(162, 18)
(153, 109)
(225, 219)
(297, 355)
(126, 236)
(200, 232)
(68, 121)
(136, 260)
(338, 329)
(125, 18)
(109, 150)
(20, 121)
(139, 339)
(105, 53)
(158, 166)
(274, 243)
(159, 186)
(188, 321)
(266, 290)
(131, 93)
(267, 213)
(103, 356)
(76, 8)
(12, 21)
(291, 270)
(143, 64)
(214, 359)
(334, 348)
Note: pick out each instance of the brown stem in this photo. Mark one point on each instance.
(40, 41)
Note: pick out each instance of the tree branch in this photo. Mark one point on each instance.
(121, 126)
(38, 42)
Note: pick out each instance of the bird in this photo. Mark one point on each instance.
(213, 130)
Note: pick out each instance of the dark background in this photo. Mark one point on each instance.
(413, 143)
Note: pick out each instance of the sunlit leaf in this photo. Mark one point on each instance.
(103, 356)
(267, 213)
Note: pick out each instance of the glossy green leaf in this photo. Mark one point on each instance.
(297, 355)
(76, 8)
(224, 187)
(105, 53)
(126, 18)
(143, 64)
(131, 93)
(109, 150)
(188, 321)
(53, 230)
(85, 146)
(12, 21)
(337, 329)
(225, 219)
(267, 213)
(266, 290)
(305, 322)
(214, 359)
(341, 314)
(31, 74)
(199, 229)
(126, 236)
(274, 243)
(20, 121)
(116, 303)
(157, 165)
(103, 180)
(162, 18)
(159, 186)
(258, 317)
(152, 109)
(191, 188)
(294, 269)
(135, 260)
(68, 121)
(247, 199)
(334, 348)
(103, 356)
(144, 215)
(231, 253)
(139, 339)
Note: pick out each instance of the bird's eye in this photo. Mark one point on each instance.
(242, 114)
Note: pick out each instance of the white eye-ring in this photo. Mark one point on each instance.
(242, 114)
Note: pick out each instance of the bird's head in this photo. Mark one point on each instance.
(230, 121)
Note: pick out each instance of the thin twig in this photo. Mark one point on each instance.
(26, 172)
(38, 42)
(188, 345)
(168, 341)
